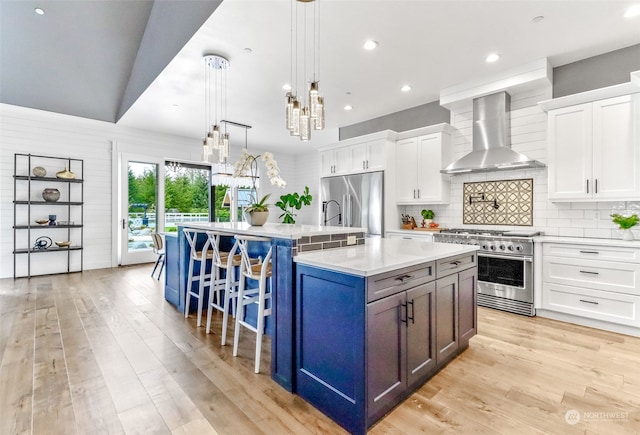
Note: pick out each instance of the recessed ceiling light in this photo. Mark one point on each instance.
(39, 11)
(537, 19)
(492, 57)
(405, 88)
(369, 44)
(632, 11)
(348, 107)
(248, 50)
(286, 87)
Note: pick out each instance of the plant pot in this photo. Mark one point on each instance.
(627, 234)
(51, 195)
(256, 218)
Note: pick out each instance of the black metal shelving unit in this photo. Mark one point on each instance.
(24, 204)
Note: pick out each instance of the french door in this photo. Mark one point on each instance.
(141, 207)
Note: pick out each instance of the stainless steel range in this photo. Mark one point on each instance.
(505, 266)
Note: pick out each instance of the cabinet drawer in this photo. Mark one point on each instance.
(450, 265)
(597, 275)
(386, 284)
(593, 304)
(589, 252)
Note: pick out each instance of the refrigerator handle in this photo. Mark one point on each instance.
(346, 206)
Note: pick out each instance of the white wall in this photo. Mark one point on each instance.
(24, 130)
(528, 136)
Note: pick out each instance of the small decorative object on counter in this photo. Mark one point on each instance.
(39, 171)
(65, 244)
(408, 222)
(427, 217)
(257, 213)
(50, 194)
(42, 242)
(66, 174)
(625, 223)
(42, 221)
(293, 201)
(52, 219)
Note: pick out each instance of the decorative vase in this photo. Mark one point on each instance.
(51, 195)
(627, 234)
(52, 219)
(66, 174)
(256, 218)
(39, 171)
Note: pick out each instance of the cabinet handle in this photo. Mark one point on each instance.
(589, 302)
(363, 165)
(403, 278)
(590, 273)
(405, 313)
(123, 224)
(455, 263)
(589, 252)
(418, 193)
(367, 164)
(596, 185)
(587, 185)
(412, 313)
(414, 193)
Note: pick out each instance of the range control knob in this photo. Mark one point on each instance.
(510, 247)
(485, 246)
(493, 247)
(502, 248)
(519, 248)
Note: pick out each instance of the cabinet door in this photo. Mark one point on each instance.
(421, 333)
(570, 153)
(376, 155)
(616, 148)
(342, 161)
(467, 305)
(447, 309)
(358, 157)
(406, 170)
(327, 163)
(431, 183)
(386, 355)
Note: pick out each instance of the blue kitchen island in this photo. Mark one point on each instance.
(373, 323)
(287, 241)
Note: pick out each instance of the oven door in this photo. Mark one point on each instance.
(506, 276)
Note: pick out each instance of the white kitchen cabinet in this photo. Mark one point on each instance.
(594, 150)
(424, 236)
(357, 155)
(418, 162)
(592, 282)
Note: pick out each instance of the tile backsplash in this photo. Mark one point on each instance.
(502, 202)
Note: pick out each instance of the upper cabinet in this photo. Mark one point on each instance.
(361, 154)
(419, 160)
(594, 150)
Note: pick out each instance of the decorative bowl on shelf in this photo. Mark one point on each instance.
(39, 171)
(51, 195)
(63, 244)
(42, 221)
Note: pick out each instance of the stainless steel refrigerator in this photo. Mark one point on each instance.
(353, 201)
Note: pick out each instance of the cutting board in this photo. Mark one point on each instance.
(433, 230)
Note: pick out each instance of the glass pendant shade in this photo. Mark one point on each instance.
(223, 153)
(319, 121)
(305, 125)
(313, 100)
(295, 118)
(216, 137)
(206, 150)
(289, 111)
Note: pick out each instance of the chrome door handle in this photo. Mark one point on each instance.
(587, 185)
(589, 302)
(589, 252)
(589, 272)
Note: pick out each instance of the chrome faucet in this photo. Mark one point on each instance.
(325, 208)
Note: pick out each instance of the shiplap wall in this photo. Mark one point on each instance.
(528, 136)
(24, 130)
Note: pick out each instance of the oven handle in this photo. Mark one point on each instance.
(507, 257)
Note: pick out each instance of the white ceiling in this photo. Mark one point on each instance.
(428, 44)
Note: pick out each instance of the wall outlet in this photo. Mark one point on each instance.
(351, 240)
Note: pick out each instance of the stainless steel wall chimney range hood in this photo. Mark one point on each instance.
(491, 144)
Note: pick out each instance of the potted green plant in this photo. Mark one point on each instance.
(257, 213)
(427, 217)
(293, 201)
(625, 223)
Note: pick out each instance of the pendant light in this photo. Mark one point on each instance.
(307, 113)
(215, 81)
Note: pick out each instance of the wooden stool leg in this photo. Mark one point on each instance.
(239, 314)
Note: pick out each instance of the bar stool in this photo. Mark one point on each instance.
(228, 261)
(246, 296)
(203, 278)
(158, 249)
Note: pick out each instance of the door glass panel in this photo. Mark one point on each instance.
(505, 271)
(186, 194)
(142, 205)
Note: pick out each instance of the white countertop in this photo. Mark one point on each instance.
(588, 241)
(379, 255)
(279, 231)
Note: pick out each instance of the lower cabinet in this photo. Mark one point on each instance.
(365, 344)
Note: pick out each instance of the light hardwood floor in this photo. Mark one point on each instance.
(102, 352)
